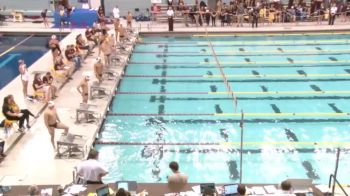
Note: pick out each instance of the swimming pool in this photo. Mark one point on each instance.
(15, 47)
(173, 104)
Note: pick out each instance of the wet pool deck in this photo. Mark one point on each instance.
(31, 158)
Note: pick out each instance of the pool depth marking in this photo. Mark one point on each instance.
(13, 47)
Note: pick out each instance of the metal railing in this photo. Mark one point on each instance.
(335, 181)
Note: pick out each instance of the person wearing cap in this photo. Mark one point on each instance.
(22, 68)
(52, 122)
(54, 43)
(98, 69)
(91, 170)
(83, 88)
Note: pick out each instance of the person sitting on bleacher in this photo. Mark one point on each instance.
(41, 90)
(54, 43)
(82, 45)
(71, 56)
(11, 114)
(48, 81)
(60, 67)
(90, 36)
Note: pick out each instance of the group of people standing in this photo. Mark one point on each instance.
(239, 11)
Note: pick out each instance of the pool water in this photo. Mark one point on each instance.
(173, 105)
(30, 49)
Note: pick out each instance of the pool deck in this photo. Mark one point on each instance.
(30, 156)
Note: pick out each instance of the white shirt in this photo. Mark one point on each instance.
(24, 72)
(170, 13)
(334, 10)
(116, 12)
(91, 170)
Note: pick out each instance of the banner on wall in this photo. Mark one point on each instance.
(156, 1)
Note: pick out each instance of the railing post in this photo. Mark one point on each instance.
(241, 154)
(336, 170)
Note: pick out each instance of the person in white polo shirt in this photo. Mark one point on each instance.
(91, 170)
(333, 13)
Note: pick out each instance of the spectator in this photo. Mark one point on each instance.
(333, 13)
(170, 2)
(62, 17)
(44, 17)
(26, 113)
(52, 122)
(90, 36)
(82, 45)
(241, 190)
(91, 170)
(240, 13)
(40, 89)
(213, 18)
(101, 16)
(12, 115)
(62, 68)
(286, 187)
(170, 14)
(116, 12)
(33, 190)
(255, 17)
(122, 192)
(54, 43)
(177, 177)
(72, 56)
(22, 68)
